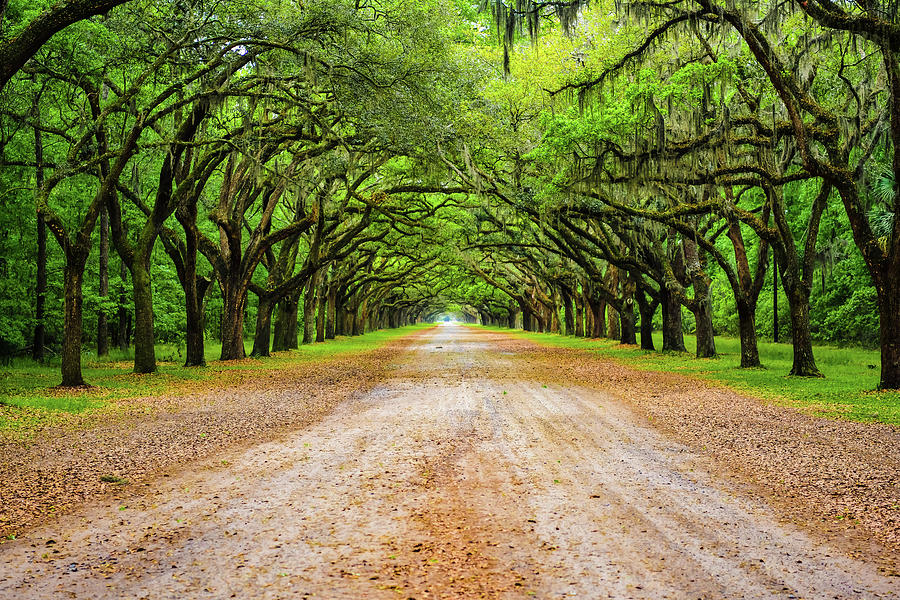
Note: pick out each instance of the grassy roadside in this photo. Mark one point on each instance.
(846, 392)
(29, 401)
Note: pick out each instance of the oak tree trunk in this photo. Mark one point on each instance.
(286, 324)
(889, 311)
(798, 305)
(628, 335)
(527, 320)
(144, 350)
(568, 315)
(706, 341)
(234, 299)
(647, 308)
(320, 316)
(263, 333)
(612, 323)
(73, 275)
(194, 293)
(747, 329)
(332, 313)
(579, 315)
(309, 311)
(598, 318)
(673, 334)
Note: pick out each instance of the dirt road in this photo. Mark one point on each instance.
(461, 476)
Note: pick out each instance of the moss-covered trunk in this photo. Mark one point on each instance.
(332, 313)
(626, 316)
(579, 316)
(889, 311)
(647, 308)
(309, 312)
(234, 299)
(194, 293)
(144, 338)
(285, 337)
(73, 275)
(673, 333)
(263, 334)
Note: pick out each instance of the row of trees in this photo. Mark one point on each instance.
(367, 163)
(681, 144)
(281, 144)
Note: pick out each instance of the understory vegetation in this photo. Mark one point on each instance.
(191, 180)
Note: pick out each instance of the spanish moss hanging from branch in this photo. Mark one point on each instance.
(512, 20)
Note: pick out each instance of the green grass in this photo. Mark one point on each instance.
(846, 392)
(29, 399)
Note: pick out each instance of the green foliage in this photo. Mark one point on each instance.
(846, 311)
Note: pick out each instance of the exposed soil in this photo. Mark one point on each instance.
(480, 466)
(66, 466)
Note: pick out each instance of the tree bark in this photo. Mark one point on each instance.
(195, 288)
(889, 311)
(775, 296)
(332, 313)
(579, 315)
(673, 334)
(554, 311)
(701, 306)
(285, 317)
(568, 315)
(612, 315)
(706, 341)
(320, 315)
(804, 364)
(612, 323)
(528, 320)
(195, 292)
(144, 350)
(598, 316)
(747, 329)
(647, 308)
(309, 311)
(358, 321)
(340, 323)
(263, 327)
(234, 300)
(626, 316)
(73, 275)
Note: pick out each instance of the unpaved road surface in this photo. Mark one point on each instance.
(459, 476)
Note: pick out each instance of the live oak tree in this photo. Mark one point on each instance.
(820, 122)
